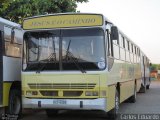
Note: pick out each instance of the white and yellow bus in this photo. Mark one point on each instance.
(78, 62)
(11, 35)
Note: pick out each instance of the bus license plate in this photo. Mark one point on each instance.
(60, 102)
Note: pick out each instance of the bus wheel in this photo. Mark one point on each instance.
(14, 106)
(51, 112)
(114, 112)
(143, 88)
(132, 99)
(147, 87)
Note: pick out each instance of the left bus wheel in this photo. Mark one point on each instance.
(114, 112)
(14, 106)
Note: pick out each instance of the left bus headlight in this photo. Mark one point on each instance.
(30, 93)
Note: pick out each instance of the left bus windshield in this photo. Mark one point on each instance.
(71, 49)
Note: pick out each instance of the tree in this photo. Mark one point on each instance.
(153, 67)
(158, 66)
(17, 10)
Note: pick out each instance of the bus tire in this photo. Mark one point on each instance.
(147, 87)
(143, 89)
(15, 104)
(114, 112)
(133, 98)
(51, 112)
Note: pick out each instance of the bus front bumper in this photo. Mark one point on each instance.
(68, 104)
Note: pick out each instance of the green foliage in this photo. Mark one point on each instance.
(158, 66)
(155, 67)
(17, 10)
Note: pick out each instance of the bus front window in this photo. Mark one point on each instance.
(84, 47)
(42, 50)
(66, 50)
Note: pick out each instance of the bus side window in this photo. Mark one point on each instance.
(121, 41)
(122, 47)
(132, 48)
(13, 50)
(124, 43)
(110, 50)
(110, 47)
(128, 45)
(11, 47)
(135, 48)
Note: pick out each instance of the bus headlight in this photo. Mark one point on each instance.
(30, 93)
(91, 93)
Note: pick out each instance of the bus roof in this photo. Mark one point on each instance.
(9, 23)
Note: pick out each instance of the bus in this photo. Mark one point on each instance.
(78, 61)
(11, 35)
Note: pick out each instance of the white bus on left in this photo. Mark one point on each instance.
(10, 66)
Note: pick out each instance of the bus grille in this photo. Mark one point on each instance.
(62, 86)
(65, 93)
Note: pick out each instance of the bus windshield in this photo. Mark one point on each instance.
(70, 49)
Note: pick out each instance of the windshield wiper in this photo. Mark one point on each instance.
(51, 58)
(70, 56)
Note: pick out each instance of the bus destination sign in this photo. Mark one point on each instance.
(63, 21)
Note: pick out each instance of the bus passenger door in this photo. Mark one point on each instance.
(1, 67)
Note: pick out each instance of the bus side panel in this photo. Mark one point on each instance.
(12, 69)
(138, 75)
(12, 73)
(1, 67)
(126, 89)
(111, 97)
(139, 81)
(113, 79)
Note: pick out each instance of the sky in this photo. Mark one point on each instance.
(138, 19)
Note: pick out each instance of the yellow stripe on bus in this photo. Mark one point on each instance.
(6, 90)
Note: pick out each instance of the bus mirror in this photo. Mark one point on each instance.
(114, 33)
(12, 35)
